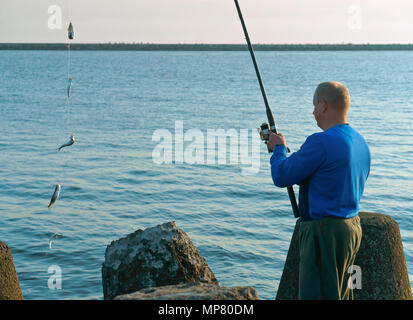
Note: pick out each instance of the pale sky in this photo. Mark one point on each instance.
(210, 21)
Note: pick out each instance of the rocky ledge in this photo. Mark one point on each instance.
(192, 291)
(162, 263)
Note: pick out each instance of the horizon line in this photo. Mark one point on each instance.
(122, 46)
(207, 43)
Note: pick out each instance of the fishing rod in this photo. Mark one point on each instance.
(270, 126)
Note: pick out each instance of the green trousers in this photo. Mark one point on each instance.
(328, 247)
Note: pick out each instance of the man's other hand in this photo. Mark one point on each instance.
(276, 139)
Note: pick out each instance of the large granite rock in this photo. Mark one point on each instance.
(192, 291)
(381, 259)
(9, 282)
(158, 256)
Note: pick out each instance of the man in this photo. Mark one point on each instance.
(331, 169)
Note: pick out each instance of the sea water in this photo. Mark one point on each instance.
(111, 185)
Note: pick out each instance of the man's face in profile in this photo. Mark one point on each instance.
(317, 109)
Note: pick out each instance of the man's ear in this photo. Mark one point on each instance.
(324, 106)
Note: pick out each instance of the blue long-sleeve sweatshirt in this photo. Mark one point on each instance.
(331, 169)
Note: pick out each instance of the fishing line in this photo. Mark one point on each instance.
(66, 113)
(66, 117)
(68, 89)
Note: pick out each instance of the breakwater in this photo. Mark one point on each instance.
(118, 46)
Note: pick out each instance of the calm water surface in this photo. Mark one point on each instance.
(241, 224)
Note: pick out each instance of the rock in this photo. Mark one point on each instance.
(158, 256)
(381, 259)
(192, 291)
(9, 282)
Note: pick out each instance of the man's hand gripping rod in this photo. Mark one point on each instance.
(271, 122)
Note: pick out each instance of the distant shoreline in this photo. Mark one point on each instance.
(203, 47)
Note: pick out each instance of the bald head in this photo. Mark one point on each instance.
(335, 94)
(331, 103)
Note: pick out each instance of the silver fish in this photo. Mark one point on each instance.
(71, 141)
(54, 237)
(69, 87)
(55, 195)
(70, 32)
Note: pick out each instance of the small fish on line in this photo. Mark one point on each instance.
(69, 87)
(71, 141)
(54, 237)
(70, 32)
(55, 195)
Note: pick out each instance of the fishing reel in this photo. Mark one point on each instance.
(264, 132)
